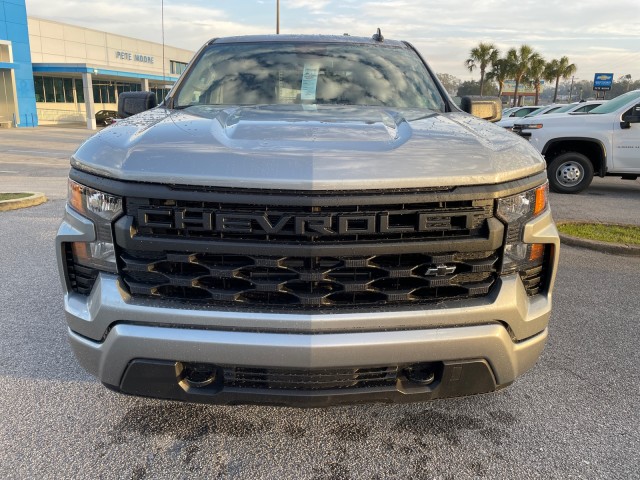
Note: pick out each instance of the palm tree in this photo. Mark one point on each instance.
(536, 73)
(481, 57)
(559, 68)
(520, 59)
(500, 72)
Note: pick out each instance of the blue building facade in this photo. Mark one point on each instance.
(17, 100)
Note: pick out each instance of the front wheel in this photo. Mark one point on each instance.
(570, 172)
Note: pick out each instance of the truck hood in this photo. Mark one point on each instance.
(307, 148)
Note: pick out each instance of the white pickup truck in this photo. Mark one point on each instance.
(606, 141)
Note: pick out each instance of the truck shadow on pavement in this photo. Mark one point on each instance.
(195, 433)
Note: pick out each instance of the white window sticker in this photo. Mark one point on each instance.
(309, 82)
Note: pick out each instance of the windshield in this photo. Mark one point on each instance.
(541, 111)
(552, 110)
(315, 73)
(527, 111)
(566, 108)
(613, 105)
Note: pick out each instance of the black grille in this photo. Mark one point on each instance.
(81, 278)
(295, 253)
(280, 379)
(308, 282)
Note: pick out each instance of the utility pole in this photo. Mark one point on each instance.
(278, 17)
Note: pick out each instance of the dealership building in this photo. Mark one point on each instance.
(53, 73)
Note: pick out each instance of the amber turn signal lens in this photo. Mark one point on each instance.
(536, 252)
(75, 196)
(541, 199)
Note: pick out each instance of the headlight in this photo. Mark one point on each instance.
(530, 126)
(102, 208)
(516, 211)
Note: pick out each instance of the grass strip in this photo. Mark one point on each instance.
(13, 196)
(625, 234)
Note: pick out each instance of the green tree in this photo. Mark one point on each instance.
(472, 87)
(557, 69)
(536, 73)
(626, 81)
(481, 57)
(520, 59)
(500, 72)
(449, 82)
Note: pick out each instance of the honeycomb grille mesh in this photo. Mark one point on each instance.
(308, 282)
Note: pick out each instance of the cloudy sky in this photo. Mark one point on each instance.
(597, 36)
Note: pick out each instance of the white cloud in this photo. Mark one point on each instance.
(594, 37)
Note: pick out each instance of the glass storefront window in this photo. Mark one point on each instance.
(60, 90)
(79, 90)
(58, 86)
(38, 85)
(177, 67)
(68, 90)
(48, 90)
(160, 93)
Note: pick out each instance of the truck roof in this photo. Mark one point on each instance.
(306, 39)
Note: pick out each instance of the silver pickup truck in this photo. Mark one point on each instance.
(308, 221)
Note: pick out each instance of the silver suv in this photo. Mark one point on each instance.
(307, 220)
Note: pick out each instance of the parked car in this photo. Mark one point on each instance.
(580, 107)
(520, 112)
(508, 123)
(554, 107)
(105, 117)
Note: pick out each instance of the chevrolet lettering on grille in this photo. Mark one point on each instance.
(369, 223)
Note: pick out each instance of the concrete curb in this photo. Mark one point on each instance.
(36, 198)
(612, 248)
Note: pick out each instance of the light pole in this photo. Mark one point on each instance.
(571, 89)
(162, 23)
(277, 17)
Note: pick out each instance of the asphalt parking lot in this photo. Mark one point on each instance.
(575, 415)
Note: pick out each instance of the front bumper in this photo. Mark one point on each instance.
(136, 346)
(476, 359)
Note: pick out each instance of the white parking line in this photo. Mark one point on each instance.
(38, 152)
(37, 163)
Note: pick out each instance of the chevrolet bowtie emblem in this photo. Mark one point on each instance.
(439, 271)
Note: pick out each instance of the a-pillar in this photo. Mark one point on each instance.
(87, 89)
(145, 84)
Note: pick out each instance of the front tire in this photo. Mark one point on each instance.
(570, 172)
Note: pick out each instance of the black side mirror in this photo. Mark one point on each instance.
(130, 103)
(487, 108)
